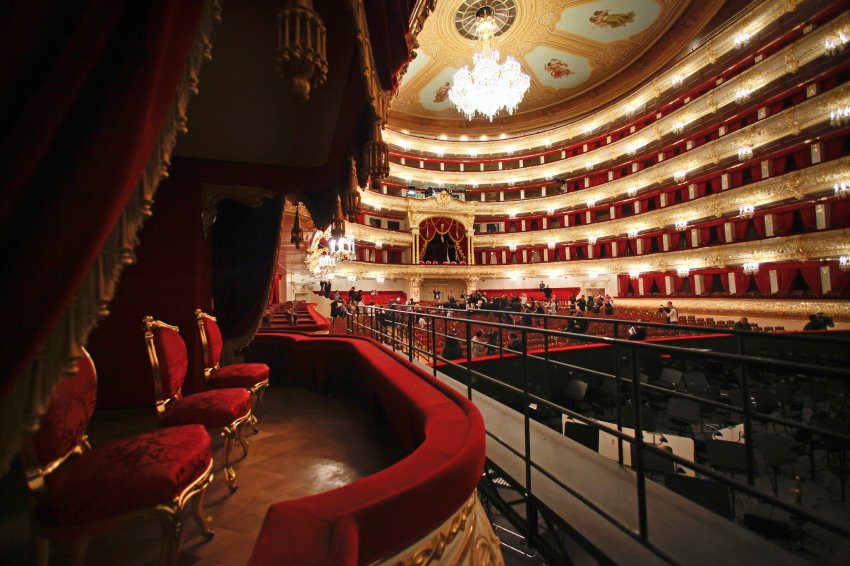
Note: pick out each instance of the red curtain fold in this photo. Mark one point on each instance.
(811, 275)
(388, 22)
(623, 284)
(742, 281)
(755, 171)
(762, 278)
(740, 230)
(782, 222)
(833, 149)
(802, 157)
(707, 283)
(758, 224)
(85, 93)
(839, 214)
(807, 215)
(778, 165)
(839, 280)
(724, 282)
(785, 275)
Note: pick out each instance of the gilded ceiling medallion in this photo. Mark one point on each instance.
(503, 13)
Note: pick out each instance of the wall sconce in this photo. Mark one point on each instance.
(677, 80)
(742, 39)
(379, 245)
(592, 275)
(842, 189)
(832, 46)
(679, 176)
(547, 142)
(742, 95)
(512, 247)
(352, 278)
(591, 203)
(379, 279)
(550, 211)
(630, 110)
(681, 225)
(683, 271)
(632, 191)
(512, 214)
(751, 268)
(550, 245)
(839, 116)
(678, 127)
(747, 210)
(592, 240)
(631, 149)
(634, 275)
(588, 165)
(632, 234)
(745, 153)
(844, 263)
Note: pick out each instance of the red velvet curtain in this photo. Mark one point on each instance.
(86, 87)
(623, 284)
(785, 275)
(724, 282)
(782, 222)
(811, 275)
(839, 214)
(442, 228)
(807, 215)
(388, 22)
(839, 280)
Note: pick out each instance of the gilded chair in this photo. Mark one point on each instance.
(81, 492)
(253, 377)
(223, 410)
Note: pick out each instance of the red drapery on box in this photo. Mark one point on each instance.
(444, 232)
(85, 93)
(839, 214)
(782, 222)
(839, 280)
(811, 275)
(623, 284)
(807, 215)
(785, 276)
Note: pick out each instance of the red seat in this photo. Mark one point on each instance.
(222, 409)
(81, 492)
(254, 377)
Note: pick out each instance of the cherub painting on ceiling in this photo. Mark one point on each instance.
(605, 19)
(442, 93)
(558, 68)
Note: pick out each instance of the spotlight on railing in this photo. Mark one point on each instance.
(352, 278)
(512, 247)
(588, 165)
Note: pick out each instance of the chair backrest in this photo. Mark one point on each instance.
(62, 428)
(169, 359)
(211, 341)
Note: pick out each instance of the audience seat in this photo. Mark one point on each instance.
(81, 492)
(253, 377)
(220, 409)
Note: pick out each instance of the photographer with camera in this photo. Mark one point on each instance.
(671, 312)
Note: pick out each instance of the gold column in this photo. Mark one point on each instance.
(414, 232)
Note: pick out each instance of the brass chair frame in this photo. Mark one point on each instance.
(257, 390)
(168, 513)
(229, 433)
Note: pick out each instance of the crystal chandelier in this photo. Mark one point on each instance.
(490, 86)
(323, 259)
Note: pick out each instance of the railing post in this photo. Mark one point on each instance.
(434, 344)
(749, 441)
(618, 380)
(468, 358)
(393, 323)
(616, 330)
(501, 343)
(637, 456)
(530, 506)
(410, 316)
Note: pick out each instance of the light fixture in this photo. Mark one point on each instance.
(379, 279)
(842, 189)
(632, 191)
(844, 263)
(301, 55)
(547, 142)
(677, 80)
(683, 271)
(630, 110)
(634, 274)
(631, 149)
(377, 207)
(751, 268)
(745, 153)
(742, 39)
(463, 137)
(678, 127)
(512, 247)
(379, 245)
(835, 45)
(839, 116)
(632, 234)
(297, 235)
(679, 176)
(352, 278)
(588, 165)
(592, 240)
(550, 245)
(742, 95)
(512, 214)
(550, 211)
(592, 275)
(514, 276)
(681, 225)
(490, 86)
(747, 211)
(591, 203)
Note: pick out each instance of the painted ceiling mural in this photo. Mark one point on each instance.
(569, 48)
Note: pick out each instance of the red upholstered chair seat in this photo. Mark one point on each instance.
(213, 409)
(238, 375)
(125, 475)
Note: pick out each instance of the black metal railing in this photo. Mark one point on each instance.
(404, 331)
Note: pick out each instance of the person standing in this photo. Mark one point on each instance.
(671, 312)
(743, 324)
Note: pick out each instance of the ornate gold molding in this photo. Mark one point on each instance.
(803, 247)
(25, 400)
(786, 61)
(465, 538)
(815, 181)
(809, 113)
(754, 308)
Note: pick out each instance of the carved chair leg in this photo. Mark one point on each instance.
(172, 535)
(229, 472)
(253, 418)
(78, 551)
(241, 438)
(204, 521)
(42, 551)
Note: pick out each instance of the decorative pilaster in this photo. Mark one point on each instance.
(414, 233)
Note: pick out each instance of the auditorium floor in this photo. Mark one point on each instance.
(307, 444)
